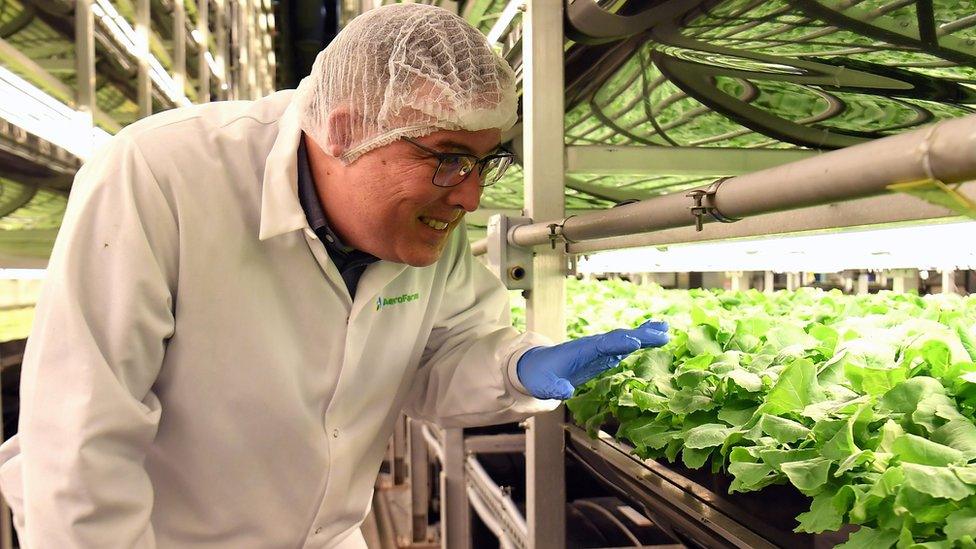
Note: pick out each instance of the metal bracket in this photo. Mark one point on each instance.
(708, 195)
(556, 232)
(512, 264)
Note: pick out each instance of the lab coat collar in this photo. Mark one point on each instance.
(281, 211)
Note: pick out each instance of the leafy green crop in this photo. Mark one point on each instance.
(864, 403)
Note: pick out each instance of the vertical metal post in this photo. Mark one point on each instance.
(179, 46)
(234, 37)
(898, 281)
(6, 524)
(456, 513)
(144, 83)
(545, 199)
(419, 481)
(84, 64)
(399, 451)
(85, 56)
(862, 284)
(203, 40)
(736, 281)
(948, 281)
(221, 57)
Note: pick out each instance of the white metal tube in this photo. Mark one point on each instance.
(944, 151)
(419, 471)
(544, 112)
(144, 83)
(179, 46)
(948, 281)
(203, 41)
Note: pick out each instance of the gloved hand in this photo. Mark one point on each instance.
(556, 371)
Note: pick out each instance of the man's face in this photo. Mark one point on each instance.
(384, 203)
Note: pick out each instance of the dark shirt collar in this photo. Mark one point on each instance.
(309, 198)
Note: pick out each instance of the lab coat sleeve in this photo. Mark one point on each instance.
(88, 413)
(467, 376)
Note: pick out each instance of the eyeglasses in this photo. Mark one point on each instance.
(453, 168)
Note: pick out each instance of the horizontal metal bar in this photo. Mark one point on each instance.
(889, 210)
(504, 510)
(495, 444)
(945, 151)
(685, 161)
(479, 247)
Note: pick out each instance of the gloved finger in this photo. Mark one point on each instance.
(658, 325)
(617, 342)
(560, 389)
(649, 335)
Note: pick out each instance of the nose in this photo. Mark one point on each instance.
(466, 194)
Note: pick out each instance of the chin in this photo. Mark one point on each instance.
(422, 260)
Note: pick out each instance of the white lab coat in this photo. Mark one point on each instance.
(198, 376)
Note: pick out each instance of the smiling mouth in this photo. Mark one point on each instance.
(435, 224)
(439, 224)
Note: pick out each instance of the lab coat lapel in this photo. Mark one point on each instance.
(281, 211)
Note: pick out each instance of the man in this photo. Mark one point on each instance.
(244, 296)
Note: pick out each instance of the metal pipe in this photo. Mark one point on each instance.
(456, 513)
(203, 39)
(888, 209)
(433, 443)
(479, 247)
(945, 151)
(179, 46)
(419, 481)
(144, 83)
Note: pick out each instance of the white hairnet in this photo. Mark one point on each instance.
(404, 70)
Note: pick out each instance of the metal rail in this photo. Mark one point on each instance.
(944, 152)
(499, 508)
(678, 504)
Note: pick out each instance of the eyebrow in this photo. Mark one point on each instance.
(461, 147)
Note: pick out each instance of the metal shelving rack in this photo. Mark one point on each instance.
(73, 72)
(783, 181)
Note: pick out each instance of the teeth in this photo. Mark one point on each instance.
(434, 224)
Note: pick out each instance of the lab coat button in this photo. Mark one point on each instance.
(318, 530)
(335, 433)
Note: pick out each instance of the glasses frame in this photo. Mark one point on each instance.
(479, 163)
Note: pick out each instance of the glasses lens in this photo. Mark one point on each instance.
(494, 169)
(452, 170)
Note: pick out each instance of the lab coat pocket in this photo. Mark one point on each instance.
(11, 479)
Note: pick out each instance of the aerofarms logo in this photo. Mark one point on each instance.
(398, 300)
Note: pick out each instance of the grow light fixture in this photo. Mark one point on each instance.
(932, 247)
(126, 35)
(26, 106)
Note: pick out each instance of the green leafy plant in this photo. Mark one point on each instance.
(863, 403)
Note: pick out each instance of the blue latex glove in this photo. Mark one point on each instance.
(556, 371)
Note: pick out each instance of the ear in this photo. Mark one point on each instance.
(340, 132)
